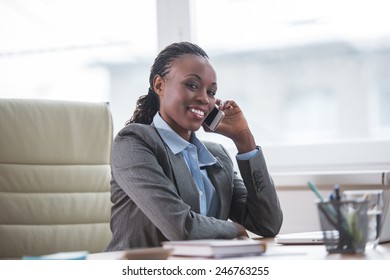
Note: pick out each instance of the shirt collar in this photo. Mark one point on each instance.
(177, 144)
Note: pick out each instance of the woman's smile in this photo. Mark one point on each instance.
(197, 112)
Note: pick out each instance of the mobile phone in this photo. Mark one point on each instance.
(214, 118)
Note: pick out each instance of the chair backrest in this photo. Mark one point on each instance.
(54, 176)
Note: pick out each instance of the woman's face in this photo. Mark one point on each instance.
(187, 93)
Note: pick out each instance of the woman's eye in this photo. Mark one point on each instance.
(211, 92)
(192, 86)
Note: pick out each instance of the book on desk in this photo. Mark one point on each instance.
(215, 248)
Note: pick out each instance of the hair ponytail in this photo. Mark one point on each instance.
(145, 109)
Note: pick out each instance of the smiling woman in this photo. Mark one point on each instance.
(174, 186)
(312, 75)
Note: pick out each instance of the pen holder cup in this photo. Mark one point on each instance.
(344, 225)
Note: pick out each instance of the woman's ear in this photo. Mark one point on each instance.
(158, 85)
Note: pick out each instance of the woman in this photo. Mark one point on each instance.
(166, 183)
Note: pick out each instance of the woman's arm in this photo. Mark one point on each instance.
(255, 203)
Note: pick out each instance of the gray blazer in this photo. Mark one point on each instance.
(155, 198)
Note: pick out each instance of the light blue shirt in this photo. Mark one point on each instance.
(197, 158)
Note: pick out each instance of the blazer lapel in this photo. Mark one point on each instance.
(220, 180)
(188, 190)
(184, 183)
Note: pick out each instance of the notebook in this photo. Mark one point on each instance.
(316, 237)
(215, 248)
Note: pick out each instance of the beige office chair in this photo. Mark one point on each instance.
(54, 177)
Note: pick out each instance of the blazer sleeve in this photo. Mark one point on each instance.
(255, 203)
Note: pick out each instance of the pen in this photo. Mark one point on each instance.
(315, 190)
(337, 192)
(331, 213)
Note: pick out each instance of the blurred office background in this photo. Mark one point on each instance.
(311, 75)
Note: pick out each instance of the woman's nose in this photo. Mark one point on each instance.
(203, 97)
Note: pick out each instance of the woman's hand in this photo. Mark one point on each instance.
(235, 126)
(241, 232)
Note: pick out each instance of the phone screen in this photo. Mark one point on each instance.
(209, 119)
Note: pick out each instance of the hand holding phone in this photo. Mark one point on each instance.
(214, 118)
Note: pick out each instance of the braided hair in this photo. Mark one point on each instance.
(148, 105)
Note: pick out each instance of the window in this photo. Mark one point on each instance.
(311, 76)
(77, 50)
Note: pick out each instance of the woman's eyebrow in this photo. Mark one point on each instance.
(195, 75)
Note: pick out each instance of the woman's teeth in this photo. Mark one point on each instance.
(198, 112)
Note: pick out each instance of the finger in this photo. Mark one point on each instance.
(229, 104)
(220, 103)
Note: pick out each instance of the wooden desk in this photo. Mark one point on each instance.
(274, 252)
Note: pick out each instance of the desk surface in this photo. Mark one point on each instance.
(274, 252)
(318, 252)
